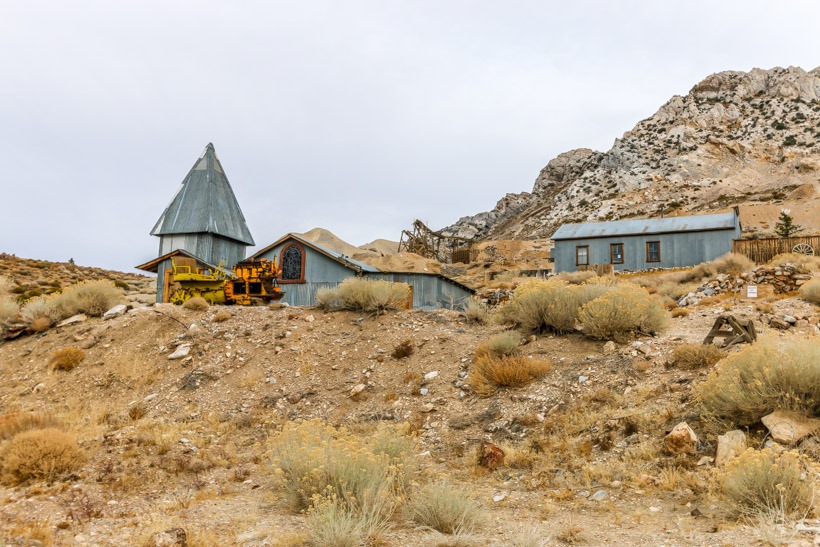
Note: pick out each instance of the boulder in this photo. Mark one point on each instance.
(116, 311)
(730, 445)
(681, 440)
(181, 351)
(79, 318)
(491, 455)
(789, 427)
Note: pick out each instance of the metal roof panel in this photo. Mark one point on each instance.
(695, 223)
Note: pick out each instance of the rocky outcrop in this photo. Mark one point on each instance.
(736, 137)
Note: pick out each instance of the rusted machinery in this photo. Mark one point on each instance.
(250, 282)
(428, 243)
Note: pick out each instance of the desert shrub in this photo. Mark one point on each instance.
(222, 316)
(66, 358)
(763, 482)
(41, 324)
(809, 291)
(373, 295)
(40, 454)
(761, 378)
(576, 278)
(317, 464)
(332, 524)
(679, 312)
(8, 309)
(444, 507)
(91, 297)
(540, 306)
(693, 356)
(402, 350)
(476, 311)
(328, 299)
(810, 262)
(43, 306)
(120, 284)
(621, 312)
(490, 372)
(501, 344)
(17, 422)
(733, 264)
(196, 303)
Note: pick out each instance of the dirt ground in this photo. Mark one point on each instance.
(182, 443)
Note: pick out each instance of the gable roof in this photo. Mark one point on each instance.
(342, 259)
(642, 226)
(205, 203)
(153, 265)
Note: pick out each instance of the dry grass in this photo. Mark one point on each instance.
(764, 482)
(365, 295)
(92, 297)
(694, 356)
(679, 283)
(66, 358)
(444, 507)
(41, 307)
(196, 303)
(41, 324)
(403, 350)
(19, 422)
(499, 345)
(679, 312)
(810, 291)
(810, 262)
(40, 454)
(490, 372)
(222, 316)
(576, 278)
(8, 309)
(622, 312)
(476, 311)
(766, 376)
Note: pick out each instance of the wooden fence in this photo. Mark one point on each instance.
(763, 250)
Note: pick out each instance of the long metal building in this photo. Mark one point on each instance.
(308, 267)
(640, 244)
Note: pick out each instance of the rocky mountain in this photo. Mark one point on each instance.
(748, 138)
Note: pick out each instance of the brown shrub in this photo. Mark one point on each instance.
(680, 312)
(810, 262)
(499, 345)
(693, 356)
(811, 291)
(42, 306)
(490, 372)
(8, 309)
(196, 303)
(405, 349)
(66, 358)
(40, 454)
(17, 422)
(222, 316)
(621, 312)
(476, 311)
(40, 324)
(540, 306)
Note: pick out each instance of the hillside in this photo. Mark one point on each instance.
(182, 441)
(737, 138)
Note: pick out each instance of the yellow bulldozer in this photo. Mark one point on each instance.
(250, 282)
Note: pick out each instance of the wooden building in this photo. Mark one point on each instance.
(640, 244)
(308, 267)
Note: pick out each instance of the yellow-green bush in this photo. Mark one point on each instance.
(547, 305)
(489, 372)
(365, 295)
(317, 464)
(446, 508)
(765, 482)
(761, 378)
(501, 344)
(91, 297)
(693, 356)
(40, 454)
(621, 312)
(810, 291)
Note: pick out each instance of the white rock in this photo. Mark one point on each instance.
(431, 375)
(181, 351)
(357, 389)
(116, 311)
(499, 498)
(79, 318)
(730, 445)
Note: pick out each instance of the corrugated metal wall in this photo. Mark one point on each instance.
(429, 292)
(209, 247)
(677, 250)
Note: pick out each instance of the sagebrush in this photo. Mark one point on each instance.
(40, 454)
(8, 309)
(768, 375)
(476, 311)
(365, 295)
(621, 312)
(91, 297)
(765, 482)
(444, 507)
(693, 356)
(810, 291)
(546, 305)
(17, 422)
(501, 344)
(489, 372)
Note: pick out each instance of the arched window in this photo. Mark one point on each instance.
(293, 264)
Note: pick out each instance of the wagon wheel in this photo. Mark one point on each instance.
(803, 249)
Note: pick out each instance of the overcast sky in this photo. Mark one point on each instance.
(356, 116)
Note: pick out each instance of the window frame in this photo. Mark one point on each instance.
(577, 247)
(648, 256)
(612, 254)
(282, 264)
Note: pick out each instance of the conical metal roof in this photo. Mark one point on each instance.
(205, 203)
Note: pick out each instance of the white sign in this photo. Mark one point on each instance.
(751, 291)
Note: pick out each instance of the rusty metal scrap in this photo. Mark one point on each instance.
(428, 243)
